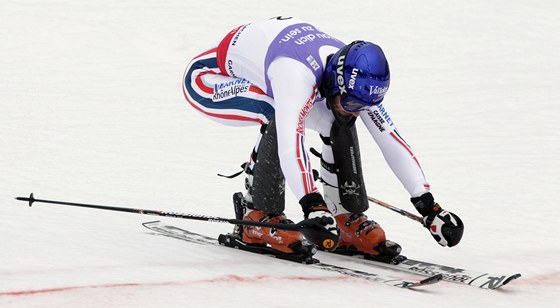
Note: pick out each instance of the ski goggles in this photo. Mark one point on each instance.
(352, 104)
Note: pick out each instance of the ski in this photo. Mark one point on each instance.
(231, 241)
(482, 280)
(435, 272)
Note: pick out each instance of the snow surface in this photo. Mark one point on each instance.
(92, 111)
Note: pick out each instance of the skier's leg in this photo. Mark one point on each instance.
(264, 200)
(236, 102)
(225, 99)
(346, 197)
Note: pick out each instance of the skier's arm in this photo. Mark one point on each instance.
(397, 152)
(293, 86)
(294, 91)
(445, 227)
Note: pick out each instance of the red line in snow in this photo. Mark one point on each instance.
(63, 289)
(221, 279)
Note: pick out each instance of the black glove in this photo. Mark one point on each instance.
(314, 207)
(446, 227)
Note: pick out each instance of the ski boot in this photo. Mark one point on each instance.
(289, 245)
(360, 236)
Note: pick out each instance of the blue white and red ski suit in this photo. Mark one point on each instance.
(273, 68)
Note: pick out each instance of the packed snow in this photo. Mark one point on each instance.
(92, 111)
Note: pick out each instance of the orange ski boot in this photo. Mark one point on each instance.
(283, 241)
(358, 235)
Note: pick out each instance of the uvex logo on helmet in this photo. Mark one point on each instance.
(352, 81)
(340, 74)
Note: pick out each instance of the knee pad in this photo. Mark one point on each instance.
(268, 182)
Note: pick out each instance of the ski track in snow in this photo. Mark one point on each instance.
(92, 112)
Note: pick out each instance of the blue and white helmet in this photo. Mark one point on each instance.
(359, 72)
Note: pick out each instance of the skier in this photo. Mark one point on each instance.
(286, 75)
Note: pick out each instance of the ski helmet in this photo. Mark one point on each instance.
(359, 72)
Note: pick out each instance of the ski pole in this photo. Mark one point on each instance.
(312, 229)
(396, 209)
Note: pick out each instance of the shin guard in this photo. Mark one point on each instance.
(348, 167)
(268, 185)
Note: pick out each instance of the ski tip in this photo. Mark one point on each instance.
(145, 224)
(428, 281)
(503, 282)
(432, 279)
(510, 278)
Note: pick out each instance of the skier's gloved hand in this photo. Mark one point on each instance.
(446, 227)
(315, 208)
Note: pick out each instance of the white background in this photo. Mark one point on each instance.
(92, 111)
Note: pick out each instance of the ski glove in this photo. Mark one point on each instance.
(445, 227)
(314, 207)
